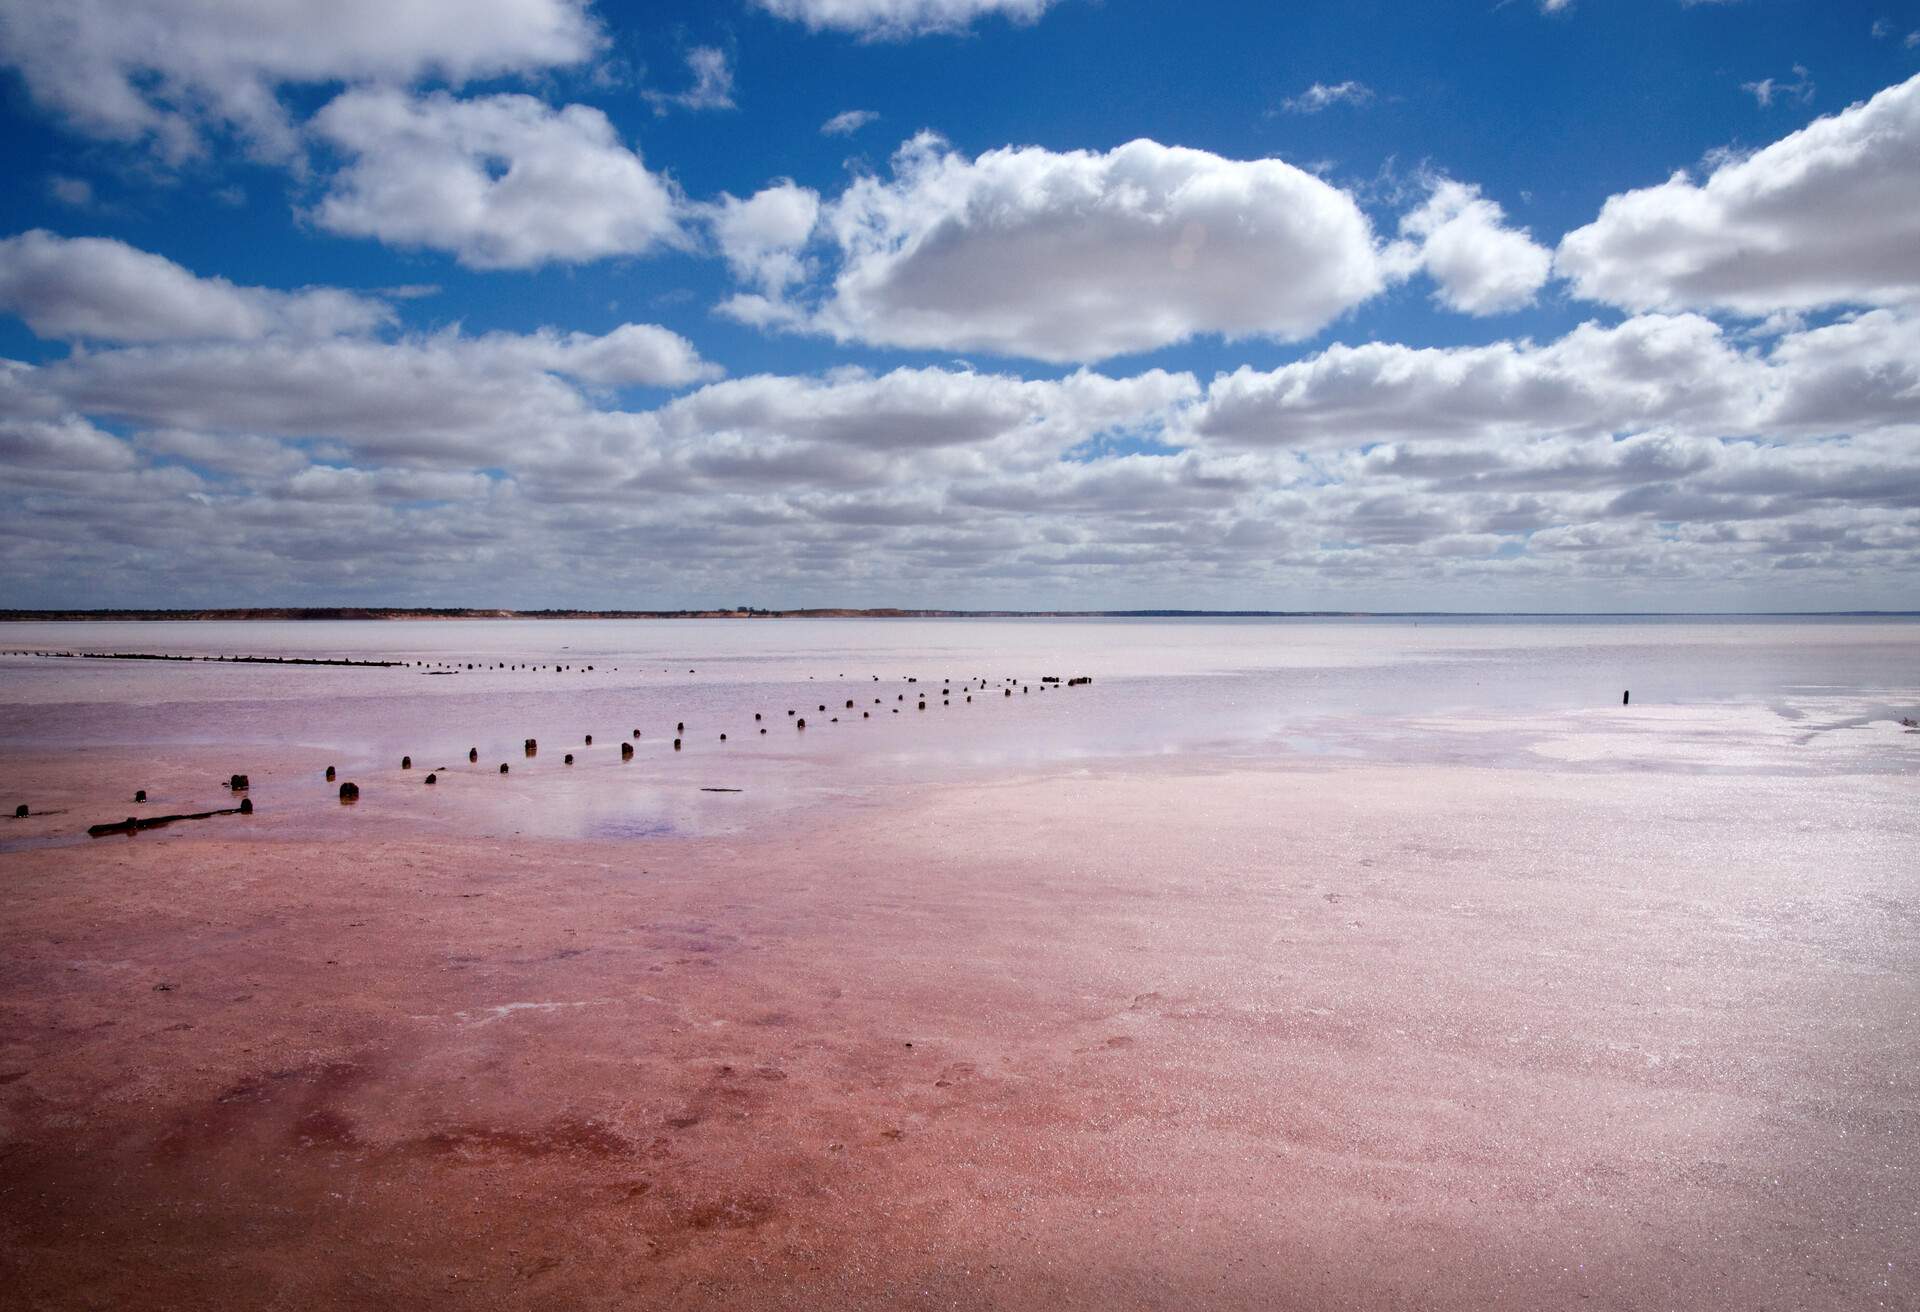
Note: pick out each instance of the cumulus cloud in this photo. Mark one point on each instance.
(128, 70)
(712, 83)
(1081, 255)
(66, 443)
(434, 401)
(501, 182)
(1650, 371)
(847, 122)
(634, 354)
(1826, 216)
(98, 289)
(761, 237)
(1481, 265)
(908, 411)
(336, 483)
(897, 20)
(449, 396)
(1322, 95)
(1862, 372)
(235, 455)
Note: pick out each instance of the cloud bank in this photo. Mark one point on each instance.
(1659, 455)
(166, 70)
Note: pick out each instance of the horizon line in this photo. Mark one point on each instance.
(52, 614)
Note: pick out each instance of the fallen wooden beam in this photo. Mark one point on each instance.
(133, 824)
(230, 660)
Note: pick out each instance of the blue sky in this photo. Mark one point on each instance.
(537, 302)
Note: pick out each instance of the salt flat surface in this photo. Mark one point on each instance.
(1372, 969)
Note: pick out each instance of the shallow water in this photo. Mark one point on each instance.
(1725, 693)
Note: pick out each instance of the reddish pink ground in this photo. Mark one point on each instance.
(1361, 1037)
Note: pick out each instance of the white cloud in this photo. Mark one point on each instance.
(77, 192)
(1321, 96)
(633, 354)
(757, 310)
(65, 443)
(761, 237)
(1858, 373)
(333, 483)
(908, 411)
(448, 396)
(1650, 371)
(1767, 89)
(847, 122)
(98, 289)
(241, 455)
(897, 20)
(1079, 256)
(1481, 266)
(500, 181)
(126, 70)
(712, 83)
(1826, 216)
(21, 393)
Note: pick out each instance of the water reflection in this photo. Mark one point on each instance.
(1384, 690)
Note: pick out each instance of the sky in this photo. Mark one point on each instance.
(1569, 305)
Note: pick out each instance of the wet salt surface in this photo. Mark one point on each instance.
(1230, 980)
(1727, 695)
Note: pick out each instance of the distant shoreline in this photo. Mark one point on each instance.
(320, 613)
